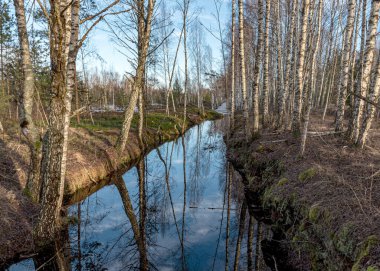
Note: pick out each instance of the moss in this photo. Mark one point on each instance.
(37, 145)
(364, 251)
(314, 213)
(27, 192)
(282, 182)
(344, 241)
(372, 268)
(260, 149)
(307, 174)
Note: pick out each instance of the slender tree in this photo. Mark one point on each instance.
(233, 65)
(256, 80)
(144, 17)
(265, 107)
(367, 66)
(296, 119)
(342, 90)
(27, 125)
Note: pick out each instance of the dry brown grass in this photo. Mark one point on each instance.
(347, 180)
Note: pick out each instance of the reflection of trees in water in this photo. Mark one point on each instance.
(151, 209)
(184, 204)
(202, 156)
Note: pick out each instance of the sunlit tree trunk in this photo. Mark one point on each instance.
(26, 104)
(233, 66)
(367, 66)
(300, 69)
(353, 74)
(144, 31)
(53, 167)
(342, 90)
(256, 80)
(185, 10)
(353, 128)
(141, 118)
(370, 110)
(312, 78)
(242, 69)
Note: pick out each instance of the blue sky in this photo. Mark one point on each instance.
(101, 40)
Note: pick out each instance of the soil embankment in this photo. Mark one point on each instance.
(324, 208)
(92, 158)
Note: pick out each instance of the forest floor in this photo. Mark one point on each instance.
(92, 157)
(326, 205)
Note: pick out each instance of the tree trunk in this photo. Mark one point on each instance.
(265, 108)
(233, 67)
(26, 105)
(358, 103)
(312, 78)
(184, 18)
(144, 31)
(367, 66)
(296, 123)
(55, 141)
(242, 69)
(256, 80)
(371, 109)
(342, 91)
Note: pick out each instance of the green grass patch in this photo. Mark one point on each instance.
(307, 174)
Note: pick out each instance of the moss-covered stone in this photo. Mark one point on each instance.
(307, 174)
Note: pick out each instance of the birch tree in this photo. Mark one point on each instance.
(233, 65)
(256, 80)
(342, 91)
(367, 66)
(312, 78)
(144, 24)
(27, 125)
(63, 21)
(242, 69)
(265, 107)
(296, 119)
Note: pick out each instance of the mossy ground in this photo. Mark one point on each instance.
(325, 205)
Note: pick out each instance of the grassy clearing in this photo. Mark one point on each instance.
(153, 120)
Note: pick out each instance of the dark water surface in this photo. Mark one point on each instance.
(174, 201)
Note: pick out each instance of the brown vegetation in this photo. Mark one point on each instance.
(327, 203)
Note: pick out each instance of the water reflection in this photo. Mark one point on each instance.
(181, 208)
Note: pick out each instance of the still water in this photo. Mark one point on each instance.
(173, 211)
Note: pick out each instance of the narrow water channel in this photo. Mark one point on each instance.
(173, 211)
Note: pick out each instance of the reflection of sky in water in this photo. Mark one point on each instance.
(106, 236)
